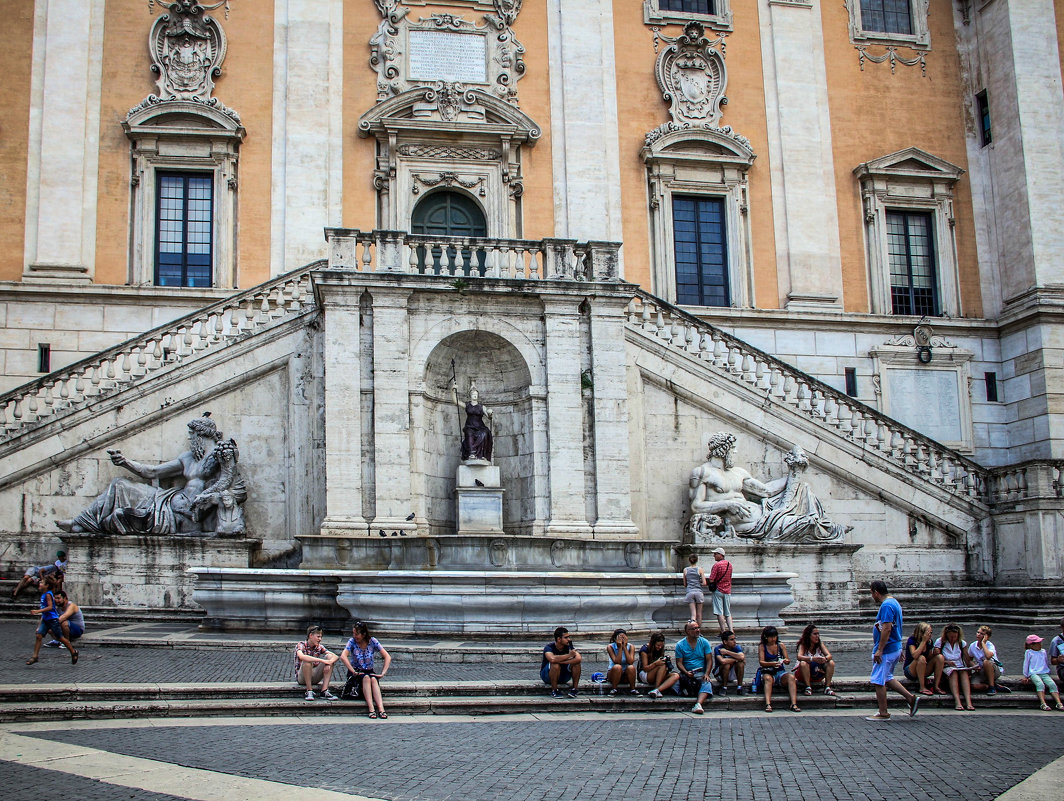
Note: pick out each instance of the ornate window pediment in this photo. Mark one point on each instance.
(910, 180)
(184, 129)
(880, 29)
(447, 113)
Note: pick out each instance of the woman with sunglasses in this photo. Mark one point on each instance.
(358, 656)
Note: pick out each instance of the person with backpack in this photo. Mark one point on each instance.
(719, 583)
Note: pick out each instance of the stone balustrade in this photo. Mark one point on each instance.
(1034, 479)
(471, 257)
(820, 403)
(160, 349)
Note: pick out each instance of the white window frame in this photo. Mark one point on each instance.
(182, 136)
(681, 162)
(721, 21)
(910, 180)
(919, 39)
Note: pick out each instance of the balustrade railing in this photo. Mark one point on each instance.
(471, 257)
(1033, 479)
(821, 403)
(160, 349)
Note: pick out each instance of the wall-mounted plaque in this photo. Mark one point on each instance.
(447, 56)
(927, 400)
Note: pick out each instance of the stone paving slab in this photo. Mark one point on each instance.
(30, 782)
(735, 758)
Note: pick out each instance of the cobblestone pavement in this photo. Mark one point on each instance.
(235, 662)
(595, 757)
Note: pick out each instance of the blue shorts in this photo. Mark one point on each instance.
(564, 675)
(50, 626)
(75, 631)
(883, 671)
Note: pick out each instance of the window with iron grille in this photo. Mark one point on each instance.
(688, 6)
(184, 229)
(886, 16)
(911, 250)
(701, 250)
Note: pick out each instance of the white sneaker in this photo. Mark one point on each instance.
(309, 696)
(697, 709)
(655, 693)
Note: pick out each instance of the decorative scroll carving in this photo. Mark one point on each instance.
(692, 76)
(392, 51)
(187, 48)
(669, 127)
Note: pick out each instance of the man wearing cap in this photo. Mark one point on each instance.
(34, 575)
(720, 579)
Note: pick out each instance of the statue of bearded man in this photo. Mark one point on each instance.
(130, 507)
(728, 499)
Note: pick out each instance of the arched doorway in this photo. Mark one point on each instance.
(449, 214)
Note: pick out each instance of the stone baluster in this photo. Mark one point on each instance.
(788, 388)
(690, 339)
(263, 316)
(845, 414)
(831, 409)
(735, 359)
(857, 431)
(139, 360)
(748, 369)
(932, 465)
(947, 472)
(367, 255)
(94, 381)
(674, 331)
(79, 385)
(32, 407)
(705, 347)
(922, 457)
(720, 356)
(127, 368)
(660, 330)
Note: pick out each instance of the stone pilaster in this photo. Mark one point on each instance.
(584, 139)
(343, 415)
(307, 129)
(391, 409)
(568, 515)
(808, 257)
(64, 140)
(613, 486)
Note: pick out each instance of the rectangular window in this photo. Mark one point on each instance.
(982, 109)
(184, 229)
(911, 250)
(44, 358)
(886, 16)
(851, 381)
(688, 6)
(700, 237)
(991, 387)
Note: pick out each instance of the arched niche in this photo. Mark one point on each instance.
(502, 376)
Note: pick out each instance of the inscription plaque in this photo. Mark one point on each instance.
(927, 400)
(447, 56)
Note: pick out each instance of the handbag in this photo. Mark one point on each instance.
(352, 688)
(711, 586)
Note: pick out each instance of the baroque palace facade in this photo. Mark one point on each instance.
(847, 206)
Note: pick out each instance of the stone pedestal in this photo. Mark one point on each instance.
(478, 496)
(146, 572)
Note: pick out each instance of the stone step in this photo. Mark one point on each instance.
(291, 703)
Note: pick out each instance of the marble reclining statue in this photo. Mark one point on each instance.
(727, 502)
(209, 503)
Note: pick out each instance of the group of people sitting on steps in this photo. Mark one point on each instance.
(700, 669)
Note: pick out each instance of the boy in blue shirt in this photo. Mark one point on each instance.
(730, 661)
(886, 650)
(50, 623)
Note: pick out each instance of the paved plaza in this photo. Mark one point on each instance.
(744, 756)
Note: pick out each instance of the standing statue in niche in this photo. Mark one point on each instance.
(726, 501)
(476, 433)
(209, 502)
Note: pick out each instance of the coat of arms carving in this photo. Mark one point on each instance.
(187, 49)
(692, 76)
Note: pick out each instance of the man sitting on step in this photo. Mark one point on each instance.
(314, 665)
(561, 663)
(71, 619)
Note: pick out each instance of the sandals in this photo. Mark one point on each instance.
(768, 707)
(382, 715)
(828, 691)
(1060, 707)
(795, 708)
(925, 691)
(74, 656)
(959, 708)
(969, 708)
(31, 661)
(372, 716)
(1045, 708)
(807, 691)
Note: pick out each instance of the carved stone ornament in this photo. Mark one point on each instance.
(692, 76)
(395, 57)
(187, 48)
(669, 127)
(446, 179)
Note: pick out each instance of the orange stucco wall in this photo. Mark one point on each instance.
(15, 66)
(245, 85)
(874, 113)
(641, 109)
